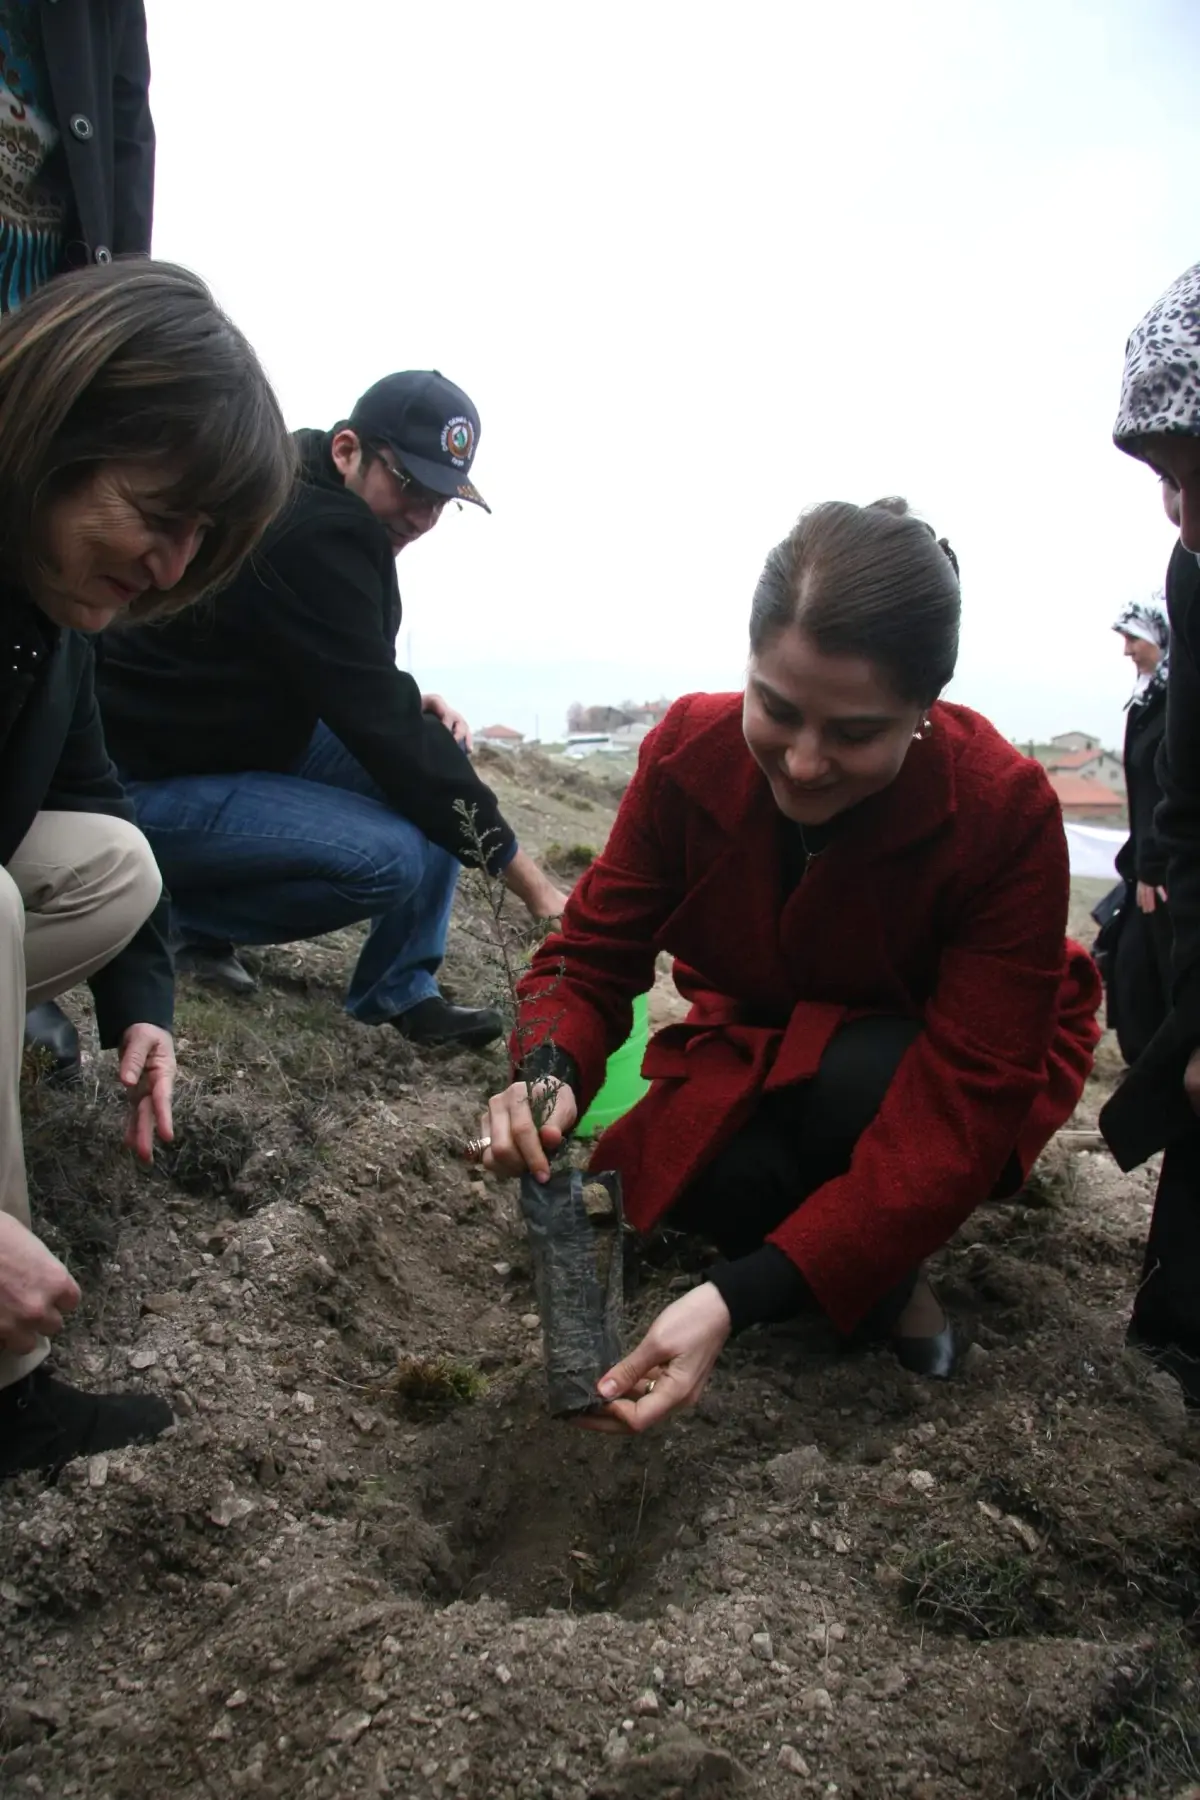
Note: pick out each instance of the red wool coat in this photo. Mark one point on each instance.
(943, 899)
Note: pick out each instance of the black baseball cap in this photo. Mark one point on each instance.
(431, 426)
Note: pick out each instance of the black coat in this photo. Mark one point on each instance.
(305, 633)
(54, 760)
(100, 77)
(1142, 857)
(1150, 1110)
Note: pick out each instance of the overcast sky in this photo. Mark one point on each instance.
(699, 267)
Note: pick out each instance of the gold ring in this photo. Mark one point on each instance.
(649, 1388)
(475, 1147)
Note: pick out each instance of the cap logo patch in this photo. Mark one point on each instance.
(458, 441)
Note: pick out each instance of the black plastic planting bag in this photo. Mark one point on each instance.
(574, 1227)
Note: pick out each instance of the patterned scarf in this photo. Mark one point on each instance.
(1160, 390)
(1150, 624)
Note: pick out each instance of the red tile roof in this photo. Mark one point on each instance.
(1081, 790)
(1072, 759)
(502, 731)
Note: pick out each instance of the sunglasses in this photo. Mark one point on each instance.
(416, 490)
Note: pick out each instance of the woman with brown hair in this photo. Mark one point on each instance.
(865, 890)
(142, 455)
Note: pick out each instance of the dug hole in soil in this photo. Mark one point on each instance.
(366, 1562)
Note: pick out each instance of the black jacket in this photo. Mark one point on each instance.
(306, 632)
(100, 77)
(1150, 1110)
(1142, 857)
(53, 759)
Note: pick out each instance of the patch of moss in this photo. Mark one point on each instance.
(427, 1387)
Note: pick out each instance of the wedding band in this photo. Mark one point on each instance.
(475, 1147)
(649, 1387)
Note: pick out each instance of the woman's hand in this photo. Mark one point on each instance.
(540, 897)
(669, 1368)
(35, 1289)
(454, 722)
(518, 1146)
(147, 1072)
(1148, 897)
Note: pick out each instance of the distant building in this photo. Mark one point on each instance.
(1074, 740)
(502, 736)
(1097, 765)
(630, 735)
(1086, 801)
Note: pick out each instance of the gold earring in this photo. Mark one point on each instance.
(923, 729)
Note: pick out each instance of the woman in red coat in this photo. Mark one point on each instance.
(865, 891)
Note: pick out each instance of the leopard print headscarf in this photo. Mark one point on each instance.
(1160, 390)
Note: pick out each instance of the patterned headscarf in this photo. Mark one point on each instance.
(1160, 390)
(1148, 622)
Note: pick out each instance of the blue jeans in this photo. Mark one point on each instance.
(258, 858)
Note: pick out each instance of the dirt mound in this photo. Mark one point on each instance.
(365, 1562)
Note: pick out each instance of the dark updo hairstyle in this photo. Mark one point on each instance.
(867, 581)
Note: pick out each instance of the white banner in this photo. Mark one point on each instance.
(1093, 849)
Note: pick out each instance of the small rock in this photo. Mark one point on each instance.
(616, 1748)
(363, 1421)
(238, 1698)
(349, 1728)
(502, 1268)
(762, 1647)
(789, 1758)
(796, 1471)
(696, 1670)
(303, 1402)
(97, 1471)
(1022, 1530)
(646, 1705)
(817, 1699)
(920, 1479)
(503, 1674)
(530, 1321)
(213, 1333)
(841, 1545)
(143, 1359)
(222, 1731)
(457, 1769)
(164, 1306)
(230, 1509)
(894, 1682)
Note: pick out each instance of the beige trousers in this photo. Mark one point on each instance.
(78, 888)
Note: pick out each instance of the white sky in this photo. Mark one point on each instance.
(699, 267)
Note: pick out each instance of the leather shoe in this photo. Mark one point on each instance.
(435, 1021)
(216, 964)
(935, 1357)
(44, 1423)
(48, 1029)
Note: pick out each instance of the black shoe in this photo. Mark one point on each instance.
(216, 964)
(935, 1357)
(435, 1021)
(44, 1423)
(48, 1029)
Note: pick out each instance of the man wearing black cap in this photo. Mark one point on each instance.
(291, 779)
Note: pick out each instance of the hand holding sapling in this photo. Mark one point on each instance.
(527, 1125)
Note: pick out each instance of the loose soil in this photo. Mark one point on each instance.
(366, 1562)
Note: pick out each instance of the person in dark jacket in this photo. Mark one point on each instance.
(76, 138)
(142, 454)
(1136, 943)
(1157, 1104)
(290, 777)
(76, 186)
